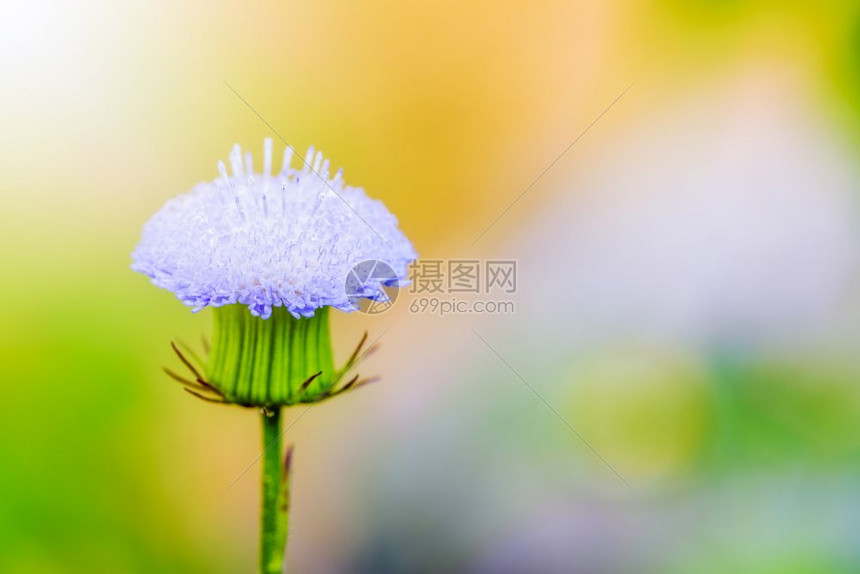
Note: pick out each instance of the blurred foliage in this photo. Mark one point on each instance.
(785, 414)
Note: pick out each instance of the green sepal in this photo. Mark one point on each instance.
(270, 362)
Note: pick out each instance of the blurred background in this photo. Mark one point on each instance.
(687, 297)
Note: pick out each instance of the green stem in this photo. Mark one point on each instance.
(273, 516)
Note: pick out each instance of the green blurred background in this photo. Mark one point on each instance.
(688, 296)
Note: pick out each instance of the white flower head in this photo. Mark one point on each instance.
(266, 240)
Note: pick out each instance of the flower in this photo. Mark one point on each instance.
(285, 246)
(264, 240)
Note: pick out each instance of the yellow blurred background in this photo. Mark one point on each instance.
(739, 438)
